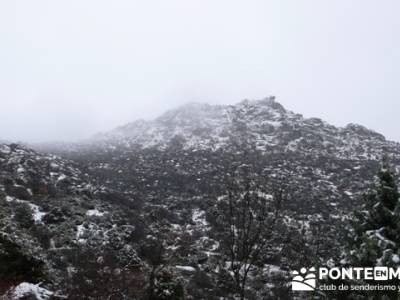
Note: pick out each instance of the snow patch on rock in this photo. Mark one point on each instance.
(26, 289)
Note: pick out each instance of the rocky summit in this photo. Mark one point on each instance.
(140, 212)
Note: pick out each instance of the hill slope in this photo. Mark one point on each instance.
(114, 196)
(266, 124)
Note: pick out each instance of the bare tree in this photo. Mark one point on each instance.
(154, 252)
(249, 215)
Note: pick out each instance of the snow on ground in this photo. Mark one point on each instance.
(95, 212)
(348, 193)
(272, 270)
(26, 289)
(36, 213)
(61, 177)
(396, 258)
(9, 199)
(176, 227)
(199, 217)
(80, 231)
(5, 149)
(186, 268)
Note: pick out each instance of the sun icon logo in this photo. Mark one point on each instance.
(304, 280)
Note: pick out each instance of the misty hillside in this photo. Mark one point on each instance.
(263, 124)
(141, 208)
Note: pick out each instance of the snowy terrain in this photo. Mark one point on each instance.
(85, 215)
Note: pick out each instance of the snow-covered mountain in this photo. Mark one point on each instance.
(266, 124)
(85, 218)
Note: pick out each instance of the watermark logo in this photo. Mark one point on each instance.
(305, 280)
(347, 279)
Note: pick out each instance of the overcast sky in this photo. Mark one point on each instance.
(71, 68)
